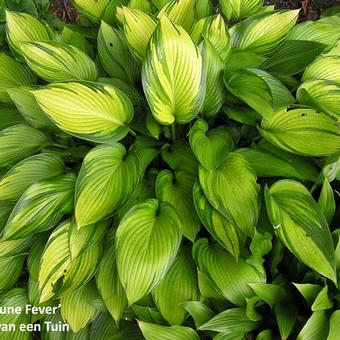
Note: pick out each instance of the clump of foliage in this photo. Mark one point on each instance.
(168, 170)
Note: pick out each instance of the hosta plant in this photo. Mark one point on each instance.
(169, 170)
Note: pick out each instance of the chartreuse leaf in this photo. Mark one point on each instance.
(180, 12)
(204, 8)
(115, 56)
(259, 89)
(232, 322)
(270, 161)
(27, 105)
(57, 61)
(295, 130)
(100, 112)
(147, 242)
(237, 9)
(326, 201)
(148, 314)
(14, 247)
(142, 5)
(301, 226)
(91, 10)
(5, 210)
(76, 308)
(286, 318)
(16, 297)
(138, 28)
(13, 74)
(323, 301)
(334, 324)
(156, 332)
(40, 207)
(110, 173)
(18, 142)
(321, 94)
(10, 270)
(326, 67)
(109, 286)
(172, 75)
(229, 276)
(211, 147)
(217, 225)
(309, 291)
(316, 327)
(58, 273)
(27, 172)
(176, 188)
(198, 311)
(22, 27)
(268, 292)
(214, 30)
(261, 33)
(238, 201)
(178, 285)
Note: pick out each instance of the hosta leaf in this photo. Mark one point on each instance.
(211, 147)
(263, 32)
(27, 172)
(316, 327)
(176, 188)
(22, 27)
(326, 68)
(322, 301)
(5, 210)
(40, 207)
(10, 116)
(229, 276)
(178, 285)
(172, 75)
(106, 181)
(295, 130)
(204, 8)
(27, 105)
(99, 112)
(286, 319)
(109, 286)
(334, 324)
(180, 12)
(238, 201)
(57, 61)
(91, 10)
(147, 242)
(13, 74)
(240, 59)
(14, 247)
(309, 291)
(16, 297)
(156, 332)
(138, 28)
(214, 30)
(237, 9)
(76, 308)
(10, 270)
(301, 226)
(268, 292)
(259, 89)
(148, 314)
(198, 311)
(18, 142)
(217, 225)
(34, 257)
(115, 56)
(326, 201)
(231, 322)
(321, 94)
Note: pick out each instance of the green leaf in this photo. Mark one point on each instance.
(10, 116)
(40, 207)
(10, 270)
(316, 327)
(227, 194)
(13, 74)
(176, 188)
(198, 311)
(326, 201)
(231, 322)
(217, 225)
(178, 285)
(326, 67)
(27, 172)
(57, 61)
(147, 242)
(263, 32)
(14, 247)
(334, 324)
(230, 277)
(301, 226)
(237, 9)
(174, 94)
(286, 319)
(101, 112)
(240, 59)
(211, 147)
(115, 56)
(138, 29)
(157, 332)
(259, 89)
(269, 293)
(323, 300)
(309, 291)
(22, 27)
(92, 11)
(18, 142)
(105, 182)
(76, 308)
(295, 130)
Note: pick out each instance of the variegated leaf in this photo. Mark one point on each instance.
(237, 9)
